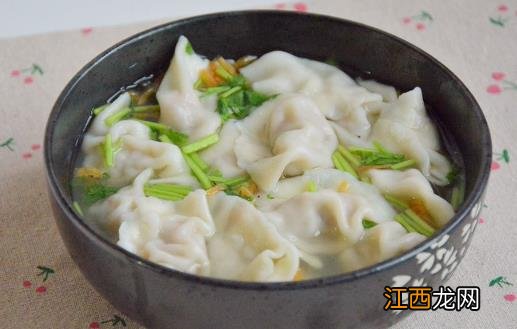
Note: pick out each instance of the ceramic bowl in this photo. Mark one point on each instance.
(158, 297)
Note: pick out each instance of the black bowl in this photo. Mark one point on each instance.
(159, 297)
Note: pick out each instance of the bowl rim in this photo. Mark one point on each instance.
(117, 251)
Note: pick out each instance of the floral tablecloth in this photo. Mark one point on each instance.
(42, 288)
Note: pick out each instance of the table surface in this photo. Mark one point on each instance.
(26, 17)
(42, 288)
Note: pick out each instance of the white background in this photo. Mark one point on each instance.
(24, 17)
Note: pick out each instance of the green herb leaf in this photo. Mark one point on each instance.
(233, 106)
(99, 192)
(235, 98)
(381, 158)
(238, 81)
(175, 137)
(452, 176)
(255, 98)
(367, 223)
(92, 191)
(378, 156)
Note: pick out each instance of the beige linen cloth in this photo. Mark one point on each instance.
(42, 288)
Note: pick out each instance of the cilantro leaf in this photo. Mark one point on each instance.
(93, 190)
(238, 81)
(158, 129)
(452, 176)
(367, 223)
(255, 98)
(98, 192)
(381, 158)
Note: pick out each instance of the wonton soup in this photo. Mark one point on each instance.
(276, 168)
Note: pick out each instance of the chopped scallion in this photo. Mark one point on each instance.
(379, 147)
(405, 222)
(311, 187)
(354, 161)
(154, 125)
(201, 144)
(148, 191)
(217, 179)
(215, 90)
(230, 92)
(200, 174)
(174, 136)
(146, 108)
(199, 161)
(108, 151)
(170, 194)
(180, 189)
(403, 165)
(98, 110)
(359, 150)
(188, 49)
(236, 181)
(419, 224)
(221, 72)
(116, 117)
(337, 163)
(342, 164)
(198, 84)
(165, 139)
(396, 202)
(457, 196)
(77, 208)
(381, 158)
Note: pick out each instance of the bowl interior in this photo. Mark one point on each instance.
(358, 49)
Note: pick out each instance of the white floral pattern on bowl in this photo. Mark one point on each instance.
(441, 258)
